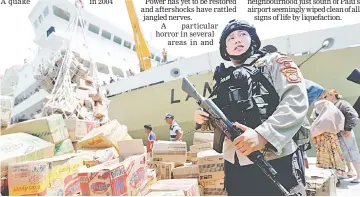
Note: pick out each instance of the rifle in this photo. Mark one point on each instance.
(231, 131)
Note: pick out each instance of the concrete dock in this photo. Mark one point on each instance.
(346, 188)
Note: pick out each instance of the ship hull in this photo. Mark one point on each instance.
(149, 105)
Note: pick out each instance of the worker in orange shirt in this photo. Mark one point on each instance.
(150, 139)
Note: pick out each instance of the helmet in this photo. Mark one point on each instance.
(234, 25)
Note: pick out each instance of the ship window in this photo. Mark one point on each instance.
(152, 56)
(134, 47)
(127, 44)
(46, 11)
(40, 18)
(79, 22)
(93, 28)
(36, 24)
(118, 72)
(106, 34)
(157, 58)
(102, 68)
(61, 13)
(50, 30)
(117, 40)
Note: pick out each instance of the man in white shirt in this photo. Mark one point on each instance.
(176, 132)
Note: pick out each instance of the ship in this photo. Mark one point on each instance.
(148, 96)
(139, 98)
(110, 47)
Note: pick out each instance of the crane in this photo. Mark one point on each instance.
(142, 49)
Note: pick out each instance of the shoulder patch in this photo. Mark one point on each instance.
(291, 74)
(283, 59)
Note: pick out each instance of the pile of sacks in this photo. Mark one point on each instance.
(89, 102)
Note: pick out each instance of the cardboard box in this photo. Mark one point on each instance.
(76, 146)
(63, 175)
(163, 169)
(200, 137)
(64, 147)
(201, 146)
(213, 188)
(105, 136)
(131, 147)
(144, 190)
(201, 189)
(79, 128)
(151, 176)
(166, 151)
(83, 85)
(192, 157)
(97, 156)
(167, 193)
(100, 111)
(186, 172)
(194, 149)
(20, 147)
(211, 165)
(151, 179)
(82, 94)
(114, 178)
(50, 128)
(55, 176)
(189, 186)
(30, 178)
(320, 182)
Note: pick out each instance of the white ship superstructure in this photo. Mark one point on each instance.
(110, 47)
(9, 80)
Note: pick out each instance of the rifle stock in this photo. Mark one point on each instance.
(217, 117)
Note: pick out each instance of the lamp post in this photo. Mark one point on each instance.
(326, 44)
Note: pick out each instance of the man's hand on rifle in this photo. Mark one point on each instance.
(249, 141)
(200, 116)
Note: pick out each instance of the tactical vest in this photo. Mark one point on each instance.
(244, 94)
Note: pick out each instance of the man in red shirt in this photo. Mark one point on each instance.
(150, 139)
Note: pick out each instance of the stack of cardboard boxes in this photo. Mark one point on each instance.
(51, 129)
(89, 102)
(20, 147)
(179, 171)
(39, 158)
(320, 182)
(105, 160)
(211, 176)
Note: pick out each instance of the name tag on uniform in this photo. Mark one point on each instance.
(225, 79)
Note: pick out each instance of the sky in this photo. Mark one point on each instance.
(16, 33)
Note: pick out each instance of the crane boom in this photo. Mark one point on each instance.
(141, 46)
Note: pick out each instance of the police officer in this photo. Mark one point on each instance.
(176, 132)
(265, 95)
